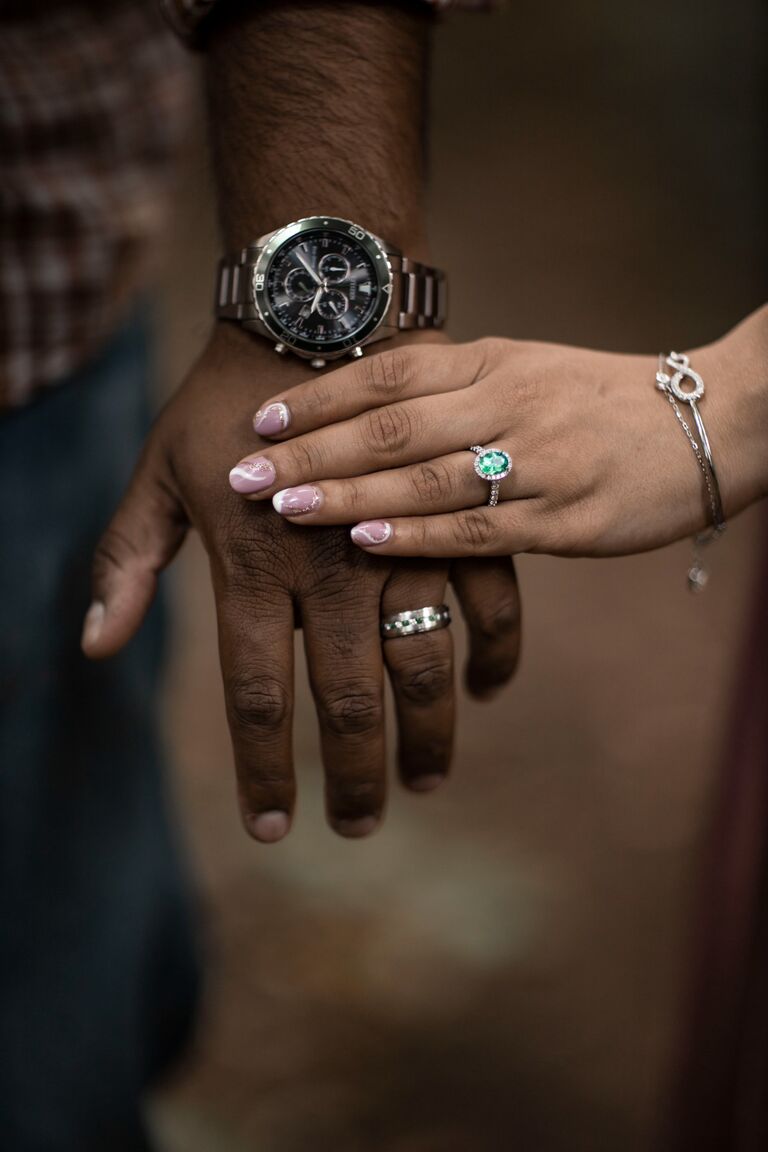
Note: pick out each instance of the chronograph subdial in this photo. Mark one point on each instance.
(299, 284)
(334, 268)
(332, 304)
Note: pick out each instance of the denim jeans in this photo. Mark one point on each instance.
(98, 969)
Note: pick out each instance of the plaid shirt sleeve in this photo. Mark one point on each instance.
(186, 17)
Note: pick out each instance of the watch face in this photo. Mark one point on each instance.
(324, 286)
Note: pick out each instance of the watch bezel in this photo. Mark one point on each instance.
(373, 248)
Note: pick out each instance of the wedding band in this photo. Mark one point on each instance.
(412, 623)
(491, 464)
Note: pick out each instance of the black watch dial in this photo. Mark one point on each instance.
(321, 288)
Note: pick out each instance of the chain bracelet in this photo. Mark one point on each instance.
(672, 388)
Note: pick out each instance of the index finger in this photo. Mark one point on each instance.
(373, 381)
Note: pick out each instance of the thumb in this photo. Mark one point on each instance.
(143, 537)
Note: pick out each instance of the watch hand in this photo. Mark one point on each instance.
(303, 260)
(316, 300)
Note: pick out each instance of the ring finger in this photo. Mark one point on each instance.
(445, 484)
(421, 673)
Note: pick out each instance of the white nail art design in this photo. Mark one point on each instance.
(297, 501)
(372, 532)
(272, 419)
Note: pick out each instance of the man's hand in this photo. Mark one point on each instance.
(285, 141)
(268, 575)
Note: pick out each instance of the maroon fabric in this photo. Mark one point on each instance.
(722, 1102)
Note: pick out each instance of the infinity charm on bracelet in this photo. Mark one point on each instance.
(672, 387)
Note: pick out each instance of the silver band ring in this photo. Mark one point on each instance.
(491, 464)
(412, 623)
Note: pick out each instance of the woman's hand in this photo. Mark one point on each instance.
(600, 464)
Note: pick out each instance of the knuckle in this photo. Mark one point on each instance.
(434, 481)
(344, 586)
(386, 375)
(426, 682)
(419, 532)
(473, 529)
(499, 621)
(387, 430)
(257, 702)
(242, 552)
(351, 709)
(113, 550)
(306, 457)
(251, 554)
(315, 404)
(351, 497)
(491, 348)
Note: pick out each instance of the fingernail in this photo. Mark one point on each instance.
(272, 419)
(296, 501)
(92, 625)
(426, 783)
(252, 475)
(354, 829)
(268, 827)
(371, 532)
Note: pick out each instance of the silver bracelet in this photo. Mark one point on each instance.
(671, 386)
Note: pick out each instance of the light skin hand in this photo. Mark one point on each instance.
(600, 464)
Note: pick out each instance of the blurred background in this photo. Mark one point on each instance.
(505, 964)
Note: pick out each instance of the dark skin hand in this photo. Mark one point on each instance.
(267, 574)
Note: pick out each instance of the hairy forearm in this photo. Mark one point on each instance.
(319, 107)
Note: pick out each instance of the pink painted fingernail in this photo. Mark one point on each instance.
(371, 532)
(297, 501)
(252, 475)
(272, 419)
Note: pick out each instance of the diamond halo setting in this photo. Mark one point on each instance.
(491, 464)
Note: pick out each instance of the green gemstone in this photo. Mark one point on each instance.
(493, 463)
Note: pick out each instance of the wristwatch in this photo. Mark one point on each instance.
(323, 288)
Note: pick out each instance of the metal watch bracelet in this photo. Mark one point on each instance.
(419, 292)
